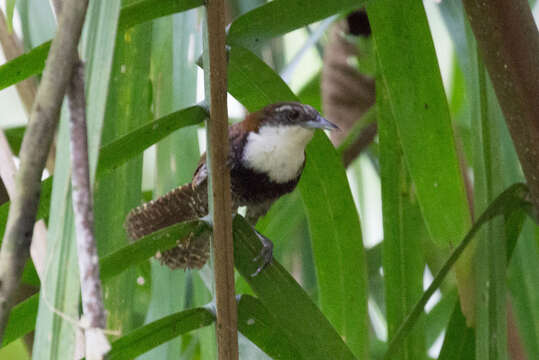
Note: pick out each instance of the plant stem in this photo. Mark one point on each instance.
(26, 89)
(92, 300)
(218, 149)
(508, 42)
(33, 155)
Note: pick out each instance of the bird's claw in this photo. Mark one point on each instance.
(266, 254)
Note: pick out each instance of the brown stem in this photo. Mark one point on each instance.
(33, 155)
(364, 139)
(514, 342)
(508, 42)
(218, 148)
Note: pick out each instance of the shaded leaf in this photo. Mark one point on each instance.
(459, 338)
(297, 315)
(508, 201)
(281, 16)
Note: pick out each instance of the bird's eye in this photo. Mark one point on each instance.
(293, 115)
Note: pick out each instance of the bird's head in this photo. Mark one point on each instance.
(277, 136)
(294, 114)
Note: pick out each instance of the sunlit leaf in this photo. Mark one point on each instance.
(124, 148)
(24, 66)
(417, 101)
(149, 336)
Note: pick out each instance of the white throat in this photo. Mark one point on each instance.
(277, 151)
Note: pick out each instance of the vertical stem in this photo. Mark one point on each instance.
(220, 207)
(508, 42)
(37, 141)
(92, 300)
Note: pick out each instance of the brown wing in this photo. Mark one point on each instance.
(235, 134)
(187, 202)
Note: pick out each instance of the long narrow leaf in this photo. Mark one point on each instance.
(417, 100)
(281, 16)
(403, 261)
(119, 151)
(297, 315)
(149, 336)
(24, 66)
(128, 107)
(22, 319)
(333, 219)
(511, 199)
(174, 86)
(263, 329)
(33, 62)
(337, 243)
(459, 338)
(146, 10)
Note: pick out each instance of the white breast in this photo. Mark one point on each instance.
(277, 151)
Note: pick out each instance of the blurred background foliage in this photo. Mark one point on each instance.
(423, 151)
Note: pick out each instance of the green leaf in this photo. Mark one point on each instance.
(298, 316)
(147, 337)
(337, 243)
(22, 319)
(124, 148)
(417, 101)
(402, 258)
(253, 83)
(33, 62)
(10, 9)
(310, 92)
(333, 219)
(146, 10)
(508, 201)
(523, 277)
(127, 107)
(262, 328)
(279, 17)
(55, 336)
(174, 86)
(14, 137)
(24, 66)
(116, 262)
(42, 211)
(459, 338)
(437, 319)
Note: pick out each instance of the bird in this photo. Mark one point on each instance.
(266, 160)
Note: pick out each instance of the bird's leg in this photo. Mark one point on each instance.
(266, 253)
(254, 212)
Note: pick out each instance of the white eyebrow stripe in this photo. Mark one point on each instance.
(283, 108)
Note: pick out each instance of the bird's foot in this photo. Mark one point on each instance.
(266, 253)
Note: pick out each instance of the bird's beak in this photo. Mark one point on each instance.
(320, 123)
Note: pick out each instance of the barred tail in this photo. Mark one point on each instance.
(181, 204)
